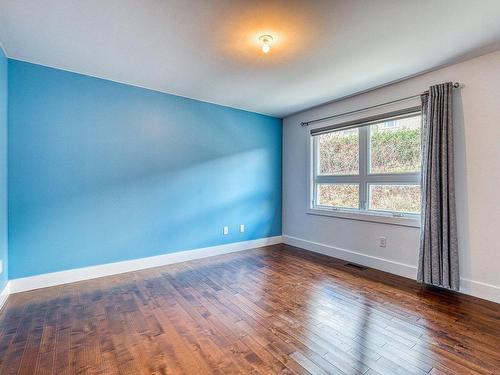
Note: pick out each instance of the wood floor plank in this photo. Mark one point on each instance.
(272, 310)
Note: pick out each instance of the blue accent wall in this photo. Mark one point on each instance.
(3, 167)
(102, 172)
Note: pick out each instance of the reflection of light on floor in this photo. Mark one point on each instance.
(345, 320)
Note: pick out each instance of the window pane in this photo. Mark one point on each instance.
(339, 152)
(395, 198)
(338, 195)
(395, 146)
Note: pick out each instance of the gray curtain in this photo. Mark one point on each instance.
(438, 258)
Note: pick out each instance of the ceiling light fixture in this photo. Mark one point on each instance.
(265, 41)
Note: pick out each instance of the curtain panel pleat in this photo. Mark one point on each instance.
(438, 256)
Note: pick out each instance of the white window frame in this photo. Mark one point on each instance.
(363, 179)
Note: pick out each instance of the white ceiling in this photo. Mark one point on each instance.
(208, 49)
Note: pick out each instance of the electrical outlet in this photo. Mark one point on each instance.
(242, 228)
(225, 231)
(382, 242)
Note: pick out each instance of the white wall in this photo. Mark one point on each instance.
(477, 160)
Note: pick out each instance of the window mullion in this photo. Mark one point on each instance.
(363, 167)
(401, 178)
(314, 153)
(337, 179)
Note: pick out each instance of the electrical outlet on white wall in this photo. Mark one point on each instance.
(382, 242)
(225, 231)
(242, 228)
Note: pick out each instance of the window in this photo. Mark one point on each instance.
(370, 168)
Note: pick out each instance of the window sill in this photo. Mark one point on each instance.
(361, 216)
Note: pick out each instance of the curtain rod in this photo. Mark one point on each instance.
(456, 85)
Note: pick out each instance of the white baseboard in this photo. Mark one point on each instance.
(470, 287)
(390, 266)
(480, 289)
(78, 274)
(4, 294)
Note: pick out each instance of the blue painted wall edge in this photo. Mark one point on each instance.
(101, 172)
(3, 169)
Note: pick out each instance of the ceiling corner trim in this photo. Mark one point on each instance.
(4, 50)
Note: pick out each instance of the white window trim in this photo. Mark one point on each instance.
(366, 216)
(363, 179)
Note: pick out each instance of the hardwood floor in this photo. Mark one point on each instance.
(271, 310)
